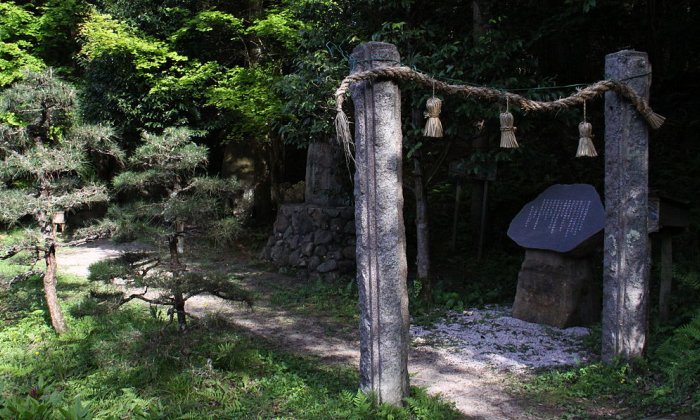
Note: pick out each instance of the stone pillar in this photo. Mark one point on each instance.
(327, 180)
(626, 260)
(381, 243)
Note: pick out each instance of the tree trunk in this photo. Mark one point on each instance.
(59, 324)
(422, 232)
(44, 218)
(172, 247)
(180, 310)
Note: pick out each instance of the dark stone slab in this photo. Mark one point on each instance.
(560, 219)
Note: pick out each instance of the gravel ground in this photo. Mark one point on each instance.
(491, 337)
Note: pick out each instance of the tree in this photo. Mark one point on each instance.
(45, 165)
(172, 200)
(18, 36)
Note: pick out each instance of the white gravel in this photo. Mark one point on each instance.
(491, 337)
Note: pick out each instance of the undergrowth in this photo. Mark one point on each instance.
(666, 380)
(125, 364)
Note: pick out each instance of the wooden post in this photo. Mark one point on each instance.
(666, 275)
(381, 243)
(626, 254)
(455, 218)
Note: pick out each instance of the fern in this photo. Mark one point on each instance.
(689, 279)
(679, 360)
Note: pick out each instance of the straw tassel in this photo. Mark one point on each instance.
(585, 141)
(654, 120)
(433, 127)
(342, 124)
(507, 131)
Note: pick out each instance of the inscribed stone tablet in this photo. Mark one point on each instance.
(559, 219)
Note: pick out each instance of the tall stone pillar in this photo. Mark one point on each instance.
(381, 243)
(626, 259)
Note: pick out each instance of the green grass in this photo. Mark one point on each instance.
(337, 299)
(125, 364)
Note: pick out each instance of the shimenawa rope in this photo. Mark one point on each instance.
(407, 74)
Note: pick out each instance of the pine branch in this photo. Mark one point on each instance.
(16, 249)
(140, 296)
(26, 275)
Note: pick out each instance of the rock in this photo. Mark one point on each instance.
(556, 289)
(347, 213)
(326, 266)
(321, 251)
(293, 258)
(350, 227)
(346, 266)
(307, 249)
(323, 237)
(337, 225)
(314, 262)
(349, 252)
(279, 254)
(335, 254)
(331, 213)
(293, 241)
(281, 224)
(303, 222)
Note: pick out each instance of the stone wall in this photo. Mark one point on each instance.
(316, 239)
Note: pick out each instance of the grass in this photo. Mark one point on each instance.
(337, 299)
(125, 364)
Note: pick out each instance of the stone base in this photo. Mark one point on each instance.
(557, 290)
(313, 238)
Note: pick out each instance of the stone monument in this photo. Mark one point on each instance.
(559, 230)
(318, 235)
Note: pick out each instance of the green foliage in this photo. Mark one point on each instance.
(58, 25)
(44, 151)
(108, 270)
(679, 360)
(123, 365)
(666, 381)
(279, 24)
(43, 402)
(318, 67)
(248, 92)
(320, 296)
(18, 36)
(101, 35)
(211, 36)
(163, 172)
(225, 231)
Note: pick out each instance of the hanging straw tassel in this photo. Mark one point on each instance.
(508, 131)
(585, 141)
(342, 124)
(433, 127)
(655, 120)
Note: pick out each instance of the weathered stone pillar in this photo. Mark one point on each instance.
(381, 244)
(626, 260)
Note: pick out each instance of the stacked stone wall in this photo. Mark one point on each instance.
(316, 239)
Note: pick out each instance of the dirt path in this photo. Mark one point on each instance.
(470, 358)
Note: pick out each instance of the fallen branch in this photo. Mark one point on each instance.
(87, 239)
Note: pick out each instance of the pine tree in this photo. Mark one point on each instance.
(45, 167)
(171, 198)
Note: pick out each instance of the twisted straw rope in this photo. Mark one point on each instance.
(589, 92)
